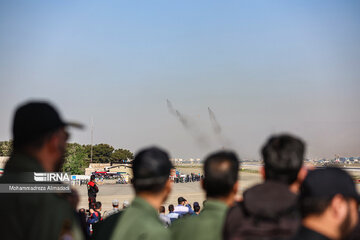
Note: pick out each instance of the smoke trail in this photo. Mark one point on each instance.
(217, 129)
(189, 125)
(214, 122)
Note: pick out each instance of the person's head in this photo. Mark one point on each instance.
(161, 209)
(171, 208)
(115, 203)
(328, 197)
(283, 157)
(126, 204)
(181, 201)
(92, 205)
(151, 169)
(92, 178)
(196, 206)
(221, 174)
(98, 206)
(39, 131)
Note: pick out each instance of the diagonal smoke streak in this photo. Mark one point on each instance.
(217, 129)
(190, 126)
(214, 122)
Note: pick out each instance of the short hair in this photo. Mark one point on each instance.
(162, 209)
(171, 208)
(283, 157)
(197, 208)
(92, 177)
(220, 173)
(313, 206)
(151, 169)
(97, 205)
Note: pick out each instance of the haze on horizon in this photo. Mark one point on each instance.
(262, 67)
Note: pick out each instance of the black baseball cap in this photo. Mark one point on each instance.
(181, 199)
(151, 165)
(327, 182)
(34, 119)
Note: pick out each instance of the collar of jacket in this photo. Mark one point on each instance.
(306, 233)
(269, 199)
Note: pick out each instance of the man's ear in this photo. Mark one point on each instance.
(235, 187)
(339, 208)
(52, 144)
(169, 185)
(302, 174)
(262, 172)
(202, 184)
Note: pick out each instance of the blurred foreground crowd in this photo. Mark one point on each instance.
(292, 202)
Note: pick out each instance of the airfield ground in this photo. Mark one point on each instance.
(191, 191)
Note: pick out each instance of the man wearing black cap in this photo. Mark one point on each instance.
(220, 184)
(39, 141)
(329, 205)
(183, 208)
(151, 169)
(269, 210)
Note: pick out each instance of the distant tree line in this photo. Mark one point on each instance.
(78, 157)
(5, 148)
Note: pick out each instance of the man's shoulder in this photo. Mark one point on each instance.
(192, 227)
(186, 222)
(134, 224)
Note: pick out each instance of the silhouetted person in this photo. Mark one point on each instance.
(220, 183)
(92, 191)
(39, 142)
(173, 216)
(269, 210)
(151, 170)
(329, 205)
(165, 219)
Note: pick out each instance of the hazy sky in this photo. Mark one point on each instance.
(263, 67)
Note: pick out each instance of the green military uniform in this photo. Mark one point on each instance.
(140, 221)
(34, 215)
(207, 225)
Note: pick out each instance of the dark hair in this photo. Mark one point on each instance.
(197, 208)
(220, 173)
(97, 205)
(313, 206)
(92, 177)
(171, 208)
(162, 209)
(283, 157)
(151, 169)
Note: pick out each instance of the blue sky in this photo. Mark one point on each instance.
(263, 67)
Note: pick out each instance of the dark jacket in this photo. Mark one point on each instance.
(34, 215)
(305, 233)
(92, 189)
(268, 211)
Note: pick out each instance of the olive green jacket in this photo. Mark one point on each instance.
(207, 225)
(140, 221)
(34, 215)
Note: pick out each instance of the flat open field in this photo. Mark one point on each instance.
(190, 191)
